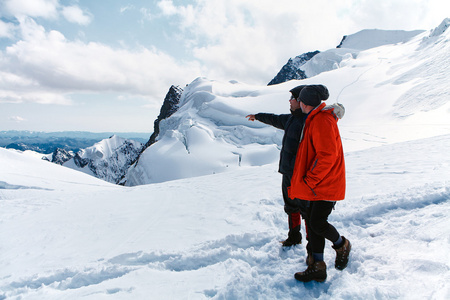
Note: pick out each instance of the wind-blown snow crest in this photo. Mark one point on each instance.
(208, 134)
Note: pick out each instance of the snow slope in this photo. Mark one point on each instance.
(66, 235)
(395, 92)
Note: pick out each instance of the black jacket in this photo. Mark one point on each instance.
(292, 124)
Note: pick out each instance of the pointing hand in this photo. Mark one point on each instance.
(251, 117)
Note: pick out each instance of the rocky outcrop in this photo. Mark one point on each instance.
(291, 70)
(108, 159)
(60, 156)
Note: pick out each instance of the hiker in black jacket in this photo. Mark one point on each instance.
(292, 124)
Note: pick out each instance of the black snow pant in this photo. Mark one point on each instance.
(295, 208)
(316, 219)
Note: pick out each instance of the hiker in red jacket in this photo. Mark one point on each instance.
(319, 177)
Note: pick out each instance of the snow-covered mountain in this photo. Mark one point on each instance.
(108, 159)
(393, 90)
(307, 65)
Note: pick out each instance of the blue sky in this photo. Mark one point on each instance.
(106, 65)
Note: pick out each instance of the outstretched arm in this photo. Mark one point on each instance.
(251, 117)
(277, 121)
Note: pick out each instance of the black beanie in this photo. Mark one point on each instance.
(313, 95)
(296, 91)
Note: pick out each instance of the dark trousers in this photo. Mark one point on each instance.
(293, 207)
(316, 218)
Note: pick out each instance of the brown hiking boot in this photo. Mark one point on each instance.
(317, 271)
(342, 254)
(309, 259)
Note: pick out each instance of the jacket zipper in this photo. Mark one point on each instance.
(309, 187)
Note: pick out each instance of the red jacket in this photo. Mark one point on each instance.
(319, 171)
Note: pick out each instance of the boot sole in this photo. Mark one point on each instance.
(281, 242)
(318, 280)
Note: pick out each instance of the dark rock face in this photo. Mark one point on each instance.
(342, 42)
(291, 70)
(80, 162)
(60, 156)
(110, 166)
(114, 168)
(168, 108)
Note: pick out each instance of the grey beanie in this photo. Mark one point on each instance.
(313, 95)
(296, 91)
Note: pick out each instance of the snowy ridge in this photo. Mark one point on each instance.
(371, 38)
(352, 45)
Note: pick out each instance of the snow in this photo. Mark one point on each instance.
(209, 225)
(217, 235)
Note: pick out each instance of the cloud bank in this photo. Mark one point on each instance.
(223, 39)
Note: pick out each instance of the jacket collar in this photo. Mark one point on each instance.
(297, 113)
(315, 111)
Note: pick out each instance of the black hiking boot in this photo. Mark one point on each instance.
(294, 238)
(342, 254)
(317, 271)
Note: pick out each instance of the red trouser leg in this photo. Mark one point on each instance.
(294, 220)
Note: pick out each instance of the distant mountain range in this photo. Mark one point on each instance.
(48, 142)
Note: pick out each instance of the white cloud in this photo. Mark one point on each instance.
(6, 30)
(228, 39)
(47, 61)
(74, 14)
(125, 8)
(167, 7)
(34, 8)
(146, 14)
(16, 119)
(248, 40)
